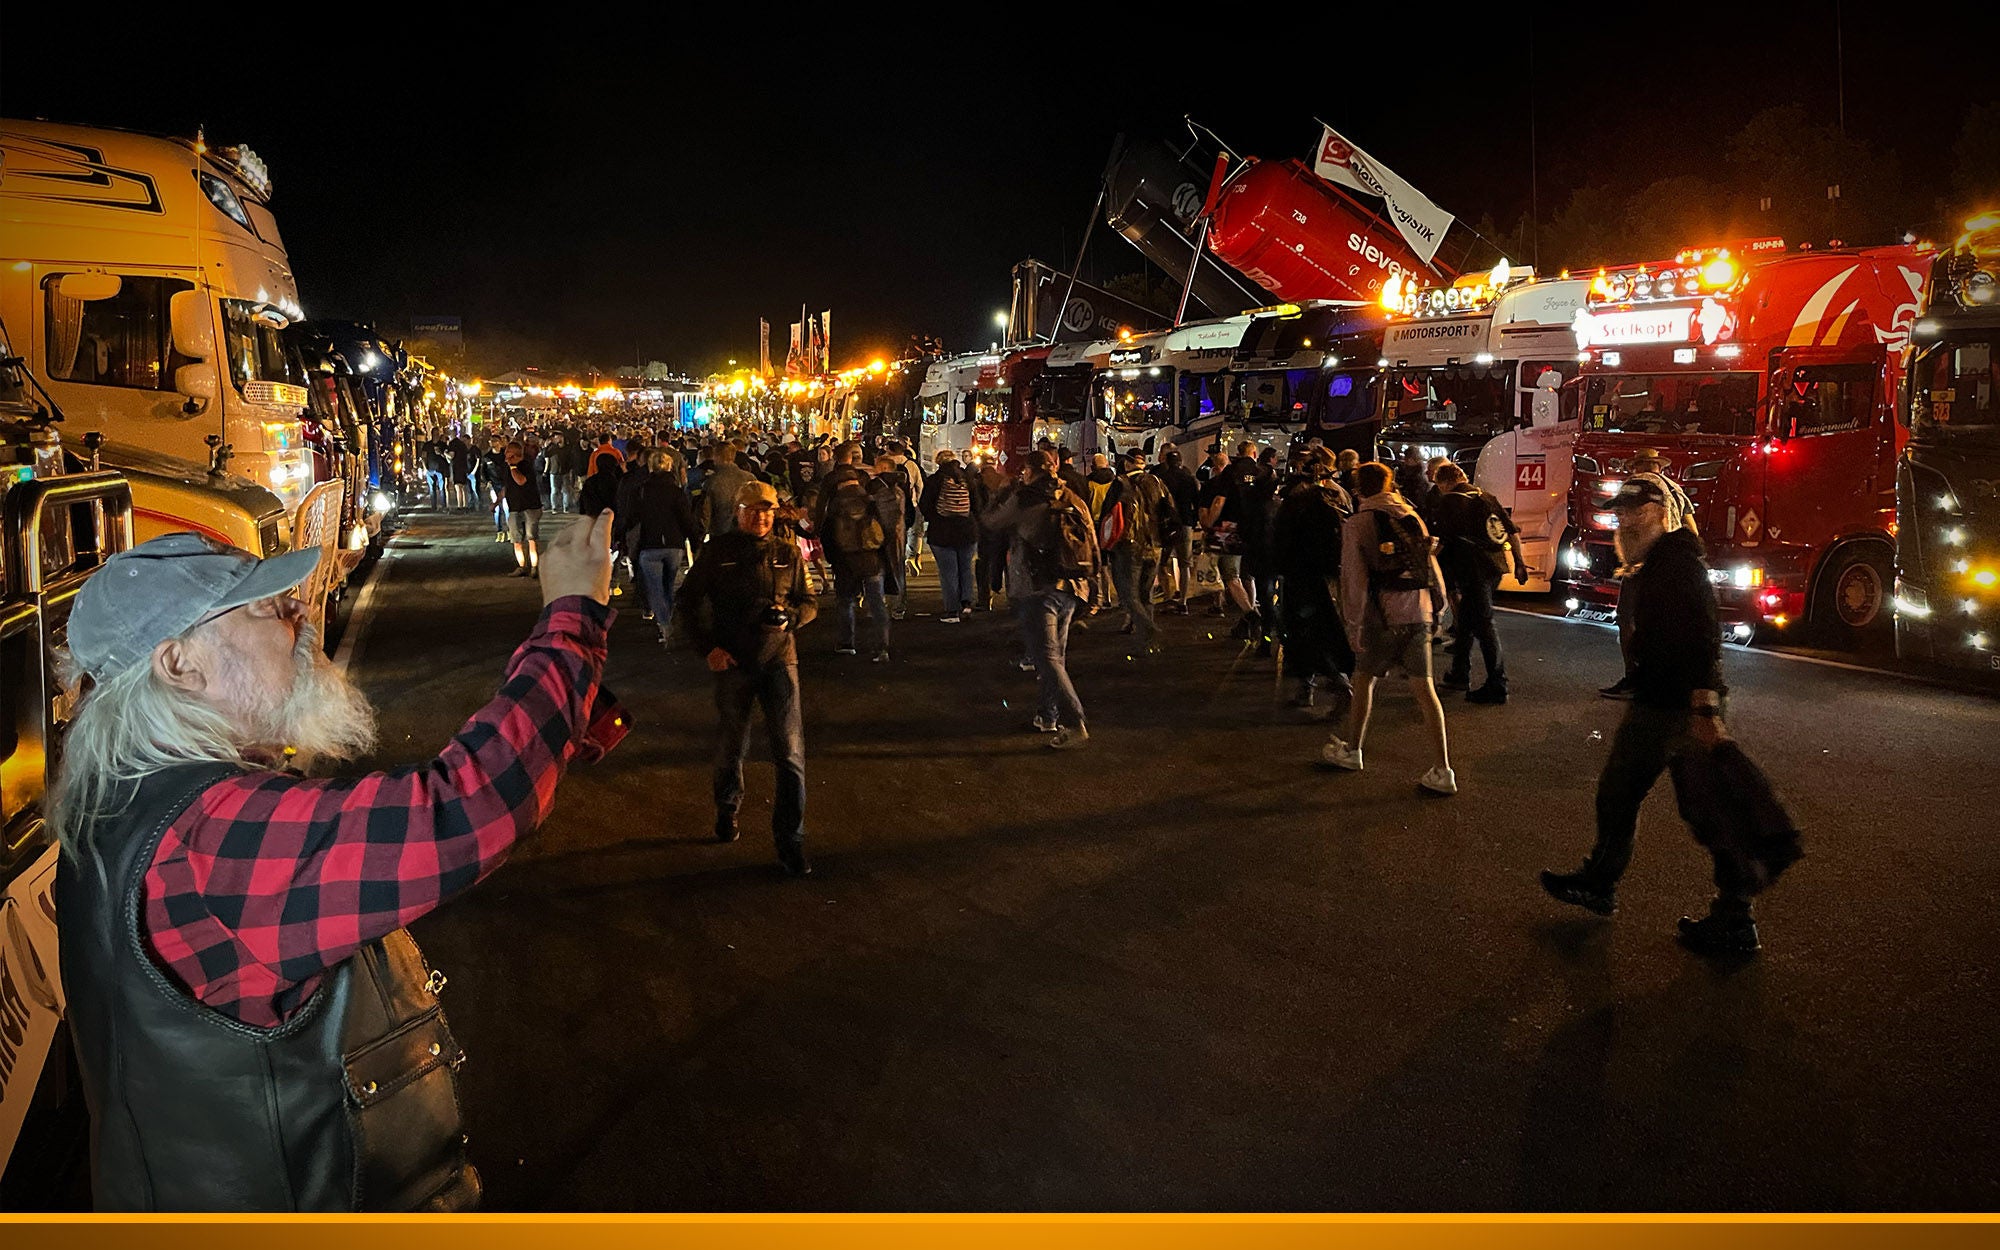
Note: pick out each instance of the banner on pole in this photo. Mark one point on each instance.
(826, 341)
(1423, 223)
(763, 346)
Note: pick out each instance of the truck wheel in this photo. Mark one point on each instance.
(1853, 602)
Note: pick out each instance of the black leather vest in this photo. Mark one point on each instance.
(350, 1105)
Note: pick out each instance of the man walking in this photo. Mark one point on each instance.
(722, 481)
(254, 1027)
(661, 526)
(1676, 708)
(1177, 556)
(1477, 543)
(1307, 541)
(1137, 512)
(744, 601)
(1390, 593)
(1649, 464)
(855, 538)
(1049, 571)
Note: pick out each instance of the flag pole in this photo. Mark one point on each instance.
(1215, 182)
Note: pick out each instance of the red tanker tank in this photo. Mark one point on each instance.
(1301, 238)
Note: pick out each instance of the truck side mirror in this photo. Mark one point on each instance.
(84, 287)
(187, 314)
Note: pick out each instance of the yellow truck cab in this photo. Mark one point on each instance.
(147, 288)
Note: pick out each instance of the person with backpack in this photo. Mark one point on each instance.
(1135, 517)
(1306, 541)
(988, 485)
(947, 508)
(720, 483)
(1476, 539)
(854, 537)
(1390, 593)
(1049, 572)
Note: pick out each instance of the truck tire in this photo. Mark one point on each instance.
(1852, 606)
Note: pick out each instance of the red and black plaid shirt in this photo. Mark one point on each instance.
(268, 880)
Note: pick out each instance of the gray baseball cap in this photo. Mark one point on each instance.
(161, 588)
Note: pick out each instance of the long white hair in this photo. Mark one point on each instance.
(134, 725)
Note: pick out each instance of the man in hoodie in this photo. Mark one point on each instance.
(1390, 594)
(947, 509)
(744, 600)
(1049, 571)
(1677, 706)
(854, 536)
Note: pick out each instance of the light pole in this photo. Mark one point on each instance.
(1000, 319)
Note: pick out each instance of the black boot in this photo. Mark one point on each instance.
(1577, 889)
(725, 825)
(1720, 933)
(793, 860)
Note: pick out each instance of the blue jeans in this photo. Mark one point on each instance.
(777, 689)
(660, 571)
(954, 576)
(1051, 612)
(850, 590)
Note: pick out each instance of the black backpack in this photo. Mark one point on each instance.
(1401, 556)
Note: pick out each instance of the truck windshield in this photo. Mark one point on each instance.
(1671, 403)
(1469, 399)
(257, 352)
(1348, 396)
(1953, 390)
(1140, 403)
(1059, 397)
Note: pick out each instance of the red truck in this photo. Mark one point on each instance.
(1767, 379)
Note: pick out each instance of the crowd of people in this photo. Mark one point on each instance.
(319, 1072)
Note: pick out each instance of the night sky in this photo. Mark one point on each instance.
(647, 187)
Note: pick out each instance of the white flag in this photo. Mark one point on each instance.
(1423, 223)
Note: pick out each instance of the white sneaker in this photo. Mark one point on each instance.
(1439, 780)
(1340, 755)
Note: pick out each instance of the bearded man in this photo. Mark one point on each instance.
(255, 1029)
(1677, 703)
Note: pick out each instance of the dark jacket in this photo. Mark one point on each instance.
(1733, 808)
(1307, 536)
(661, 516)
(735, 581)
(891, 493)
(850, 563)
(948, 529)
(1471, 528)
(718, 496)
(625, 504)
(1182, 488)
(1676, 633)
(1023, 514)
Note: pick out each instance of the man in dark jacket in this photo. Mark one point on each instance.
(743, 601)
(1477, 542)
(1306, 542)
(659, 527)
(853, 534)
(949, 506)
(1677, 705)
(1178, 558)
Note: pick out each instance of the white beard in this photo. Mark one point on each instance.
(323, 716)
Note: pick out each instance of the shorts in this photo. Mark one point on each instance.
(1384, 647)
(1229, 568)
(525, 527)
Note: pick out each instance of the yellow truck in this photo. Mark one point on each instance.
(148, 289)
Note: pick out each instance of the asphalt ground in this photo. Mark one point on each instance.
(1186, 968)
